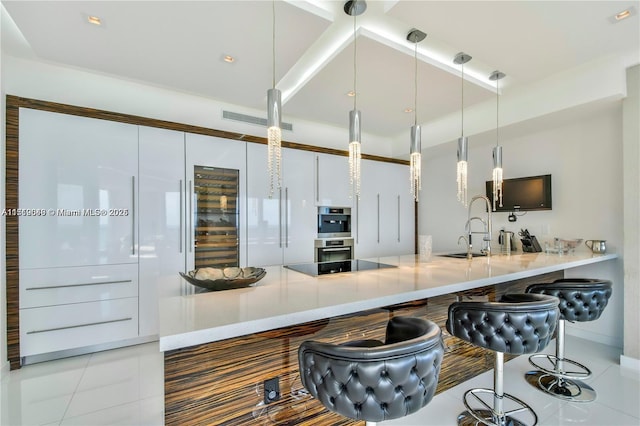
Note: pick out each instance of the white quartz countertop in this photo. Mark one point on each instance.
(285, 297)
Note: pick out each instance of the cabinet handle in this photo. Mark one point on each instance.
(190, 232)
(79, 325)
(133, 215)
(79, 285)
(398, 218)
(181, 216)
(317, 179)
(280, 217)
(286, 217)
(378, 218)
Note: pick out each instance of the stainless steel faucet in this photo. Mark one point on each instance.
(487, 226)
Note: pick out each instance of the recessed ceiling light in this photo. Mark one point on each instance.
(228, 58)
(408, 109)
(351, 93)
(623, 14)
(94, 20)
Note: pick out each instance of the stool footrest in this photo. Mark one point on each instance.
(553, 367)
(481, 410)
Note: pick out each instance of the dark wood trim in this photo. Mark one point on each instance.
(11, 236)
(151, 122)
(13, 103)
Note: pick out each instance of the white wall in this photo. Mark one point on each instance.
(583, 153)
(631, 150)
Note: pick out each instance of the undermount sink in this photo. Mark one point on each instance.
(462, 255)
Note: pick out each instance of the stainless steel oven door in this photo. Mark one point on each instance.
(333, 250)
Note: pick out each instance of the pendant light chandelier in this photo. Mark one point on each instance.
(497, 151)
(354, 8)
(274, 123)
(415, 159)
(463, 142)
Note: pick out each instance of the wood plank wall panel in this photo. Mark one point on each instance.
(221, 382)
(11, 236)
(13, 103)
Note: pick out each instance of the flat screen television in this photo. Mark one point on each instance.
(523, 194)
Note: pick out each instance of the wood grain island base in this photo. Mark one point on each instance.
(221, 382)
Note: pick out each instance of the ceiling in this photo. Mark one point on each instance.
(180, 45)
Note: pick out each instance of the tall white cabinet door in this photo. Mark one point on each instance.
(397, 217)
(82, 174)
(264, 212)
(332, 181)
(367, 223)
(280, 228)
(300, 213)
(208, 151)
(385, 217)
(162, 229)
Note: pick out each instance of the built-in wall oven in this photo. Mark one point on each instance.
(333, 249)
(334, 222)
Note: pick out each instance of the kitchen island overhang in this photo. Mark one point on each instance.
(285, 298)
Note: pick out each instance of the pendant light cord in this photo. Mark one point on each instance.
(415, 84)
(273, 10)
(355, 48)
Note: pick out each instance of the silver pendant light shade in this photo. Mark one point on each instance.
(497, 150)
(415, 157)
(463, 142)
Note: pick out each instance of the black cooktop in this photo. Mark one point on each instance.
(322, 268)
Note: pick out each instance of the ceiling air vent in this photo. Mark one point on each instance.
(251, 119)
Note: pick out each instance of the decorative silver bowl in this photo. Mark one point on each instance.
(217, 279)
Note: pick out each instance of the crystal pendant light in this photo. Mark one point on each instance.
(463, 142)
(415, 158)
(354, 8)
(497, 150)
(274, 124)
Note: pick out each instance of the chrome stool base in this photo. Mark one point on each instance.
(466, 419)
(562, 388)
(483, 413)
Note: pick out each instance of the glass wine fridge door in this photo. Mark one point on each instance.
(216, 217)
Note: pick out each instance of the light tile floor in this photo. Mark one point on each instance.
(124, 387)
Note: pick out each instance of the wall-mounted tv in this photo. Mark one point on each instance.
(523, 194)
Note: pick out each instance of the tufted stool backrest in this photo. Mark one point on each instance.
(517, 324)
(581, 299)
(377, 383)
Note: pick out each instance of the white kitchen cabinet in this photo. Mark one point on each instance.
(281, 228)
(332, 181)
(80, 174)
(60, 286)
(212, 152)
(64, 327)
(384, 222)
(162, 230)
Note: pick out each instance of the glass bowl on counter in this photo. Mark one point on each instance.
(562, 245)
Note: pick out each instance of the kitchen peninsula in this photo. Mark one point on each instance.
(221, 346)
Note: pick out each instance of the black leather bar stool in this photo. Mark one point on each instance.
(375, 381)
(517, 324)
(581, 300)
